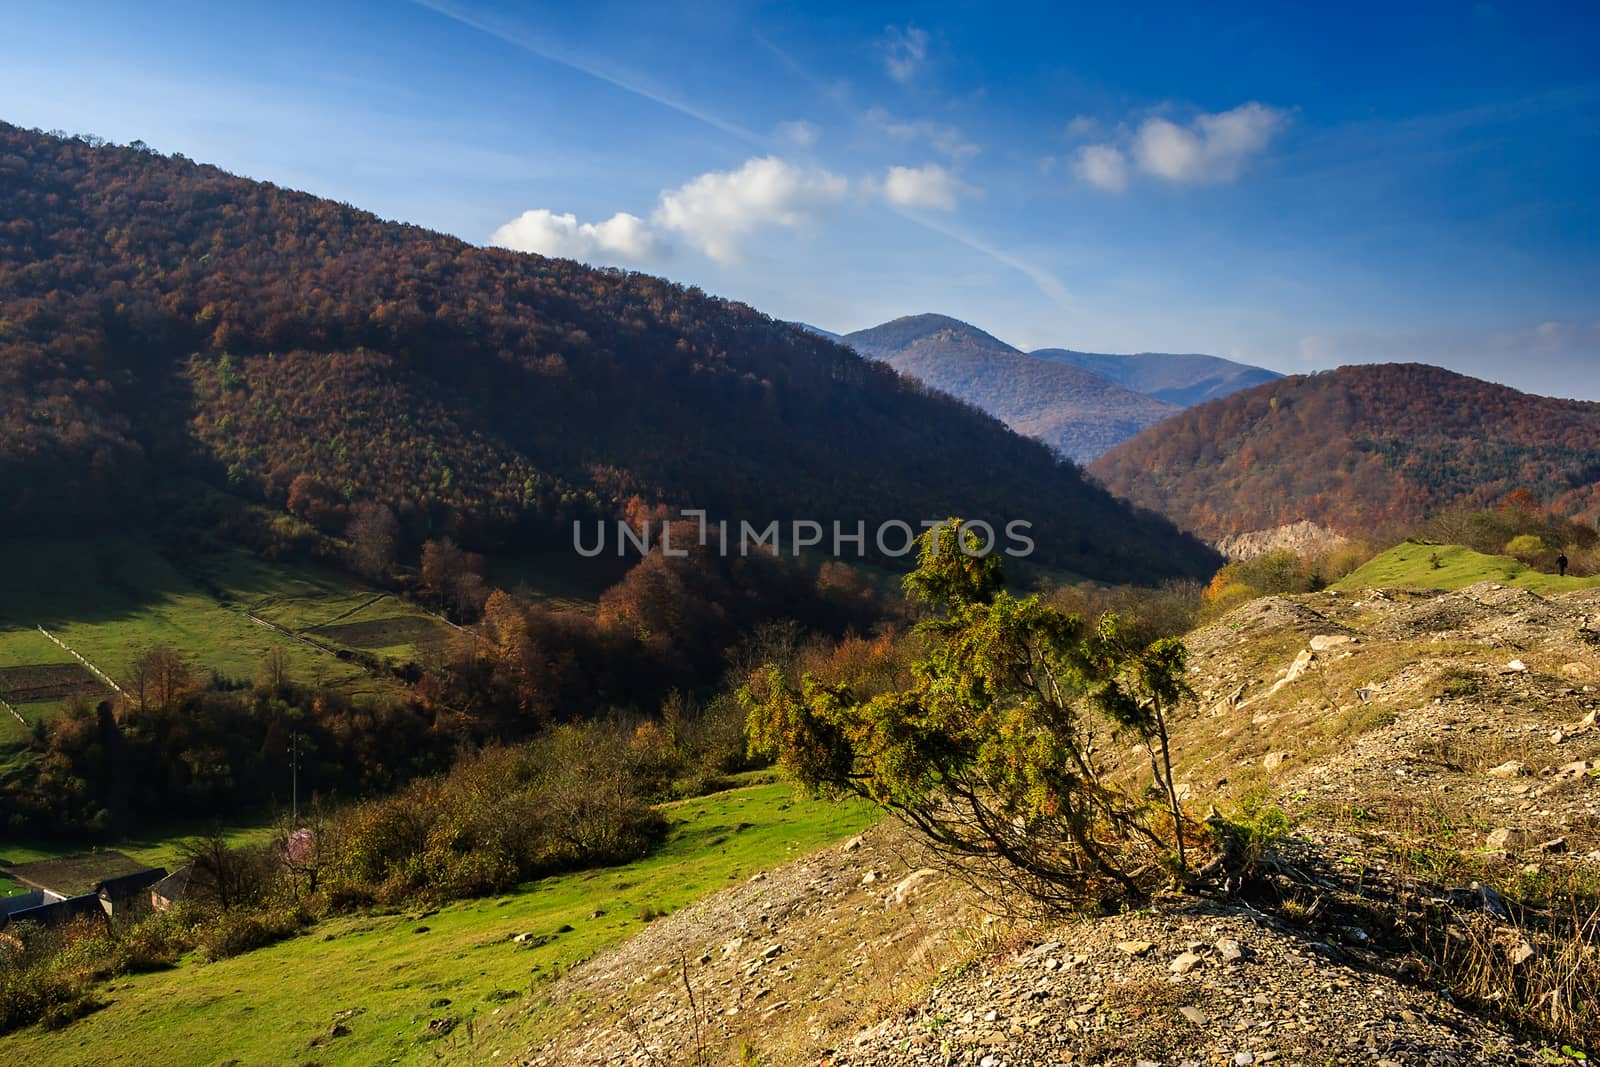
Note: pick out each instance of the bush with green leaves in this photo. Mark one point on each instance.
(989, 745)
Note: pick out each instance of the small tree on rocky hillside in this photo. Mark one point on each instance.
(990, 750)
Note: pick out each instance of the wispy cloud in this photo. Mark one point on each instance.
(1047, 283)
(905, 50)
(1102, 165)
(942, 137)
(627, 81)
(799, 132)
(1081, 126)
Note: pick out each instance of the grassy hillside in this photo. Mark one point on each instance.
(109, 597)
(1419, 566)
(398, 973)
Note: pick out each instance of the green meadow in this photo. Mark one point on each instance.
(1413, 565)
(107, 598)
(416, 986)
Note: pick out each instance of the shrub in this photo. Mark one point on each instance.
(233, 932)
(28, 995)
(987, 748)
(1526, 547)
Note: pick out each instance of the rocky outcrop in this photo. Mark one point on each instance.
(1302, 538)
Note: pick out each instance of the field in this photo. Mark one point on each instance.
(415, 986)
(1411, 565)
(157, 846)
(107, 598)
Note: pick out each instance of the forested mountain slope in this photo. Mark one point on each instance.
(1068, 407)
(1185, 380)
(160, 317)
(1358, 447)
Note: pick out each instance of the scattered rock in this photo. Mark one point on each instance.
(1229, 950)
(1194, 1015)
(1506, 839)
(1301, 664)
(1324, 642)
(1516, 666)
(1185, 963)
(1134, 948)
(1509, 769)
(1273, 760)
(909, 885)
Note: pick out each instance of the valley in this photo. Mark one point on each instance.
(456, 607)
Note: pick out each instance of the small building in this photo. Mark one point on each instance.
(167, 892)
(106, 883)
(20, 901)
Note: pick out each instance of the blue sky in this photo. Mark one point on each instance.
(1293, 189)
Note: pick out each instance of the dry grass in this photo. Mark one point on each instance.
(1537, 965)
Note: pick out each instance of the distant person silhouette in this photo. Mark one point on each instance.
(1561, 564)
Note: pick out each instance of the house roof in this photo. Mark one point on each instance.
(72, 876)
(173, 885)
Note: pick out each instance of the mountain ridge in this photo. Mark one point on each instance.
(163, 319)
(1072, 409)
(1360, 447)
(1184, 379)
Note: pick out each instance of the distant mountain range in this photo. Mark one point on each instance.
(1357, 448)
(1184, 380)
(1080, 403)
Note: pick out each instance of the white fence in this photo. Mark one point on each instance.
(96, 671)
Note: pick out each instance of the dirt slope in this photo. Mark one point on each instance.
(1427, 746)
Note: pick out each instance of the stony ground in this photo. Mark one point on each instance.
(1420, 742)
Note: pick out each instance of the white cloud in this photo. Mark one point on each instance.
(1081, 126)
(904, 51)
(800, 133)
(623, 238)
(716, 210)
(944, 138)
(1213, 148)
(1102, 165)
(931, 186)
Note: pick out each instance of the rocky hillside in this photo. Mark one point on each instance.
(1067, 407)
(1439, 758)
(1302, 538)
(1357, 448)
